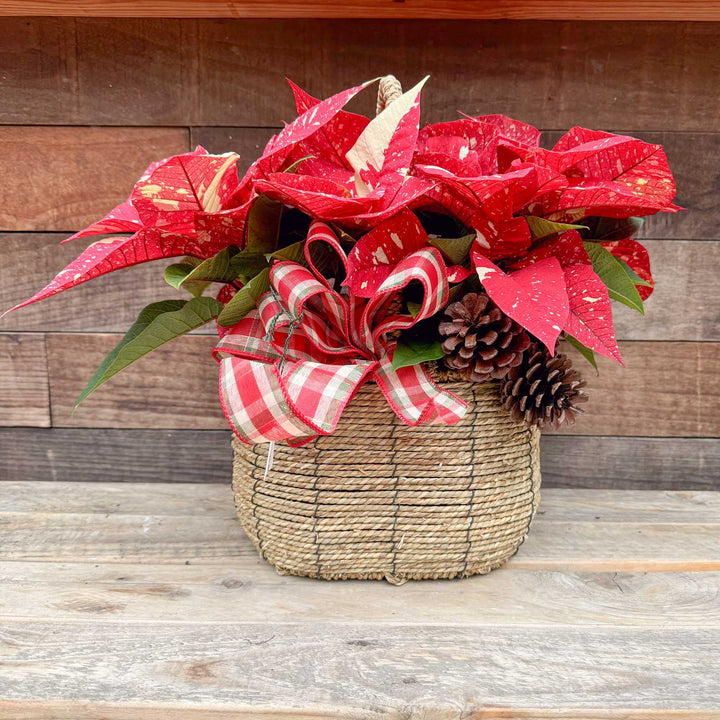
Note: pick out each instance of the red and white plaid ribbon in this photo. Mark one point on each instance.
(289, 368)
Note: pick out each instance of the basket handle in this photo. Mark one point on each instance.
(389, 89)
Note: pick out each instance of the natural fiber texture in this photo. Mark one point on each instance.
(389, 89)
(380, 500)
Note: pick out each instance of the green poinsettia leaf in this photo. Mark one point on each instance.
(218, 268)
(247, 264)
(456, 250)
(611, 271)
(541, 228)
(244, 299)
(176, 274)
(586, 352)
(414, 352)
(263, 225)
(157, 324)
(293, 253)
(414, 308)
(637, 280)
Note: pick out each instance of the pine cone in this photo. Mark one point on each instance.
(481, 342)
(543, 390)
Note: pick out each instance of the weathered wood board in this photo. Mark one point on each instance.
(100, 617)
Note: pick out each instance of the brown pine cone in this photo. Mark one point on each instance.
(543, 390)
(481, 342)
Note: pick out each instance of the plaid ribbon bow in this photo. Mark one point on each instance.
(290, 366)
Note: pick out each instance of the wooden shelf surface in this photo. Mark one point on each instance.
(688, 10)
(147, 601)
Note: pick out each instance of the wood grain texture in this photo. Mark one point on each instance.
(630, 463)
(698, 10)
(198, 456)
(77, 710)
(648, 76)
(81, 71)
(129, 594)
(666, 389)
(106, 455)
(363, 672)
(180, 500)
(24, 381)
(64, 178)
(583, 530)
(175, 387)
(146, 600)
(107, 304)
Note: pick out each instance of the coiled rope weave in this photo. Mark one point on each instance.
(380, 500)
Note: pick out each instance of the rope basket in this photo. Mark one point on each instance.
(380, 500)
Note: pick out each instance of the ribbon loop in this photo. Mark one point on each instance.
(290, 367)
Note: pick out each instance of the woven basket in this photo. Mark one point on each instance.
(380, 500)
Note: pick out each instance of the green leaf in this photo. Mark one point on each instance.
(157, 324)
(414, 308)
(294, 253)
(637, 280)
(247, 264)
(540, 227)
(454, 249)
(619, 284)
(263, 225)
(176, 274)
(586, 352)
(244, 299)
(218, 268)
(415, 352)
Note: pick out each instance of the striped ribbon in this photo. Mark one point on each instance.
(289, 368)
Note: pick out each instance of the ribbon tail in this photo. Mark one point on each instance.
(254, 404)
(306, 399)
(317, 393)
(415, 398)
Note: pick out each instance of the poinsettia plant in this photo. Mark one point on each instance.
(359, 249)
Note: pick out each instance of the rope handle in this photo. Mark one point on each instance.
(389, 89)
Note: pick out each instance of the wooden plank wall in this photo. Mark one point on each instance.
(85, 104)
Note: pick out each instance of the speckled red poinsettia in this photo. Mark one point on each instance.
(546, 233)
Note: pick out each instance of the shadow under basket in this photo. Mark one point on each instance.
(380, 500)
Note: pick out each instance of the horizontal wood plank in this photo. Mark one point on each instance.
(108, 455)
(118, 612)
(69, 71)
(583, 530)
(24, 381)
(64, 178)
(362, 672)
(77, 710)
(698, 10)
(682, 269)
(667, 389)
(175, 387)
(144, 593)
(107, 304)
(180, 500)
(630, 463)
(231, 72)
(198, 456)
